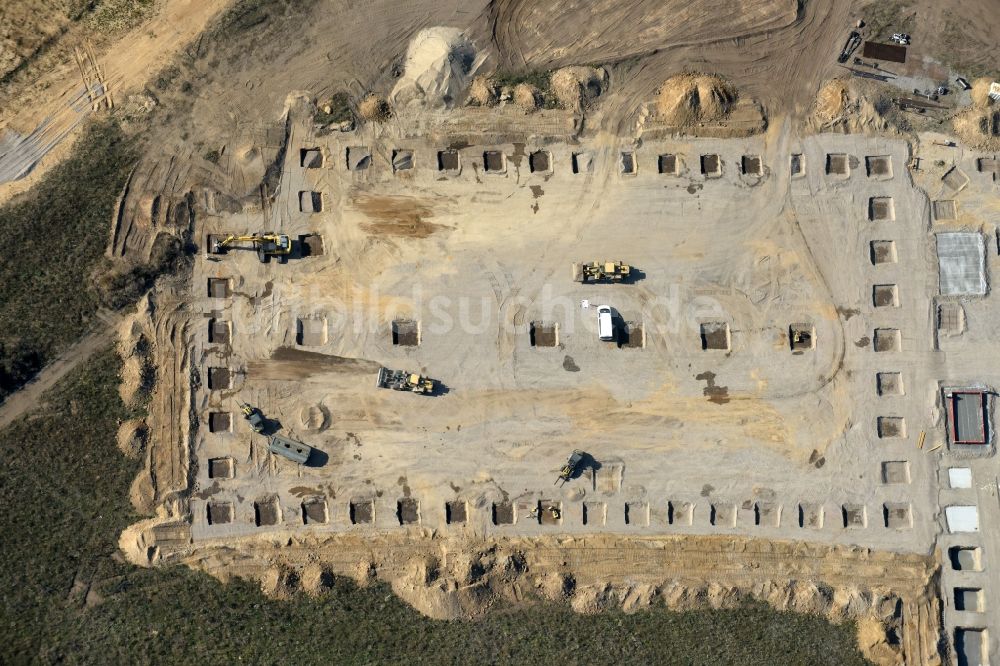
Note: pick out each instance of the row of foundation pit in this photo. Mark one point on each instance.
(359, 158)
(267, 512)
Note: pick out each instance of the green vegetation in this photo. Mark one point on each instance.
(54, 239)
(69, 597)
(337, 110)
(541, 79)
(114, 17)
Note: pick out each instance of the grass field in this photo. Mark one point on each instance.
(54, 238)
(69, 597)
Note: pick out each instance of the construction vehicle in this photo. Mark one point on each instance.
(401, 380)
(566, 473)
(254, 417)
(852, 44)
(267, 245)
(901, 38)
(601, 271)
(289, 448)
(963, 83)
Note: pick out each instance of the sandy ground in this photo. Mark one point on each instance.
(744, 471)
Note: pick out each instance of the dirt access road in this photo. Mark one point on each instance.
(29, 396)
(52, 107)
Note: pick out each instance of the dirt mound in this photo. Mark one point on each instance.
(527, 96)
(135, 350)
(439, 63)
(483, 92)
(575, 86)
(979, 128)
(132, 436)
(686, 99)
(981, 93)
(841, 106)
(831, 100)
(374, 109)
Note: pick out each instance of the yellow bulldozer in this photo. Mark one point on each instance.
(267, 245)
(601, 271)
(401, 380)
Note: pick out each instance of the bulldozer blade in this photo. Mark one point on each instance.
(380, 382)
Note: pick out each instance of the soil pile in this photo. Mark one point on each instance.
(439, 63)
(687, 99)
(574, 87)
(483, 92)
(374, 108)
(831, 100)
(981, 93)
(527, 96)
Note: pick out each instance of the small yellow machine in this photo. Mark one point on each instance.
(601, 271)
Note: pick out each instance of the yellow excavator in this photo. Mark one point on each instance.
(267, 245)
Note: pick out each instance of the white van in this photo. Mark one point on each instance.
(605, 327)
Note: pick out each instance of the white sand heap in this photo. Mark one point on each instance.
(439, 64)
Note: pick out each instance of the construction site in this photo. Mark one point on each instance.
(706, 329)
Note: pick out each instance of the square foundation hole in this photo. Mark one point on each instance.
(583, 162)
(494, 161)
(311, 245)
(752, 165)
(837, 164)
(266, 512)
(944, 210)
(310, 202)
(220, 288)
(544, 334)
(540, 161)
(550, 512)
(219, 379)
(971, 646)
(608, 478)
(680, 512)
(767, 514)
(891, 427)
(887, 340)
(897, 515)
(221, 468)
(883, 252)
(637, 514)
(895, 472)
(219, 332)
(311, 331)
(311, 158)
(965, 558)
(633, 336)
(951, 318)
(889, 383)
(504, 513)
(406, 332)
(969, 599)
(855, 516)
(408, 511)
(456, 512)
(667, 164)
(362, 511)
(797, 166)
(711, 165)
(801, 337)
(811, 516)
(715, 335)
(220, 422)
(723, 514)
(881, 208)
(359, 158)
(885, 296)
(448, 160)
(315, 511)
(627, 164)
(879, 166)
(402, 160)
(220, 513)
(595, 513)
